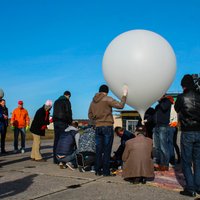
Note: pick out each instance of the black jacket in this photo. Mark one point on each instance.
(62, 110)
(66, 143)
(41, 119)
(5, 112)
(188, 108)
(162, 112)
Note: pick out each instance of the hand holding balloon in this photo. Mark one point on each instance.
(125, 90)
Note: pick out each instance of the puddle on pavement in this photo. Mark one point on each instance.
(74, 186)
(30, 167)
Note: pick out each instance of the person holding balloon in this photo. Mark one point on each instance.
(100, 111)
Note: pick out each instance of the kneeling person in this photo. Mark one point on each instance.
(66, 148)
(125, 135)
(138, 162)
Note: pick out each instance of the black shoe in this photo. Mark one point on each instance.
(143, 180)
(188, 193)
(3, 152)
(198, 192)
(98, 173)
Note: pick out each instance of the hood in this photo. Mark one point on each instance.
(63, 97)
(71, 128)
(98, 97)
(171, 99)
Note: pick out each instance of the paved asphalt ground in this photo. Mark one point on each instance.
(21, 178)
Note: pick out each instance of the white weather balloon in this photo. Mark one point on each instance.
(1, 93)
(142, 60)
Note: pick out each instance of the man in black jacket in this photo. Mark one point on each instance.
(62, 118)
(160, 134)
(188, 108)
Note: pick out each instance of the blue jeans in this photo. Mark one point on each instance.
(160, 137)
(68, 158)
(171, 144)
(190, 155)
(104, 140)
(59, 127)
(16, 136)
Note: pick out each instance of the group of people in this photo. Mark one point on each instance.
(164, 132)
(150, 148)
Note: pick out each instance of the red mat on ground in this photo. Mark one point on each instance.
(172, 179)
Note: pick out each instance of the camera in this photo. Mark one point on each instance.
(196, 78)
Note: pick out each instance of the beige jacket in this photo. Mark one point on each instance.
(137, 157)
(100, 110)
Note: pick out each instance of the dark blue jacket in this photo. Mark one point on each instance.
(66, 143)
(127, 135)
(162, 112)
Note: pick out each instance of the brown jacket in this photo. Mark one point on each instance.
(100, 110)
(137, 157)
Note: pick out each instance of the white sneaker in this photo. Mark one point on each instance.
(22, 151)
(62, 166)
(69, 164)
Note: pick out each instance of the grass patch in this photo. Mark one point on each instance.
(49, 134)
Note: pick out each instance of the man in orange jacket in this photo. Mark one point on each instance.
(20, 123)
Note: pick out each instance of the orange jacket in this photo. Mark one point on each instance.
(20, 118)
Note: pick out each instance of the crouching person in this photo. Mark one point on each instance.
(138, 163)
(125, 135)
(66, 148)
(86, 148)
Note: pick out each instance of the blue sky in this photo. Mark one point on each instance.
(49, 46)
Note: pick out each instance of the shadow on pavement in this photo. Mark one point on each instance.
(3, 162)
(13, 188)
(179, 175)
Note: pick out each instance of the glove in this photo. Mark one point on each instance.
(44, 127)
(27, 128)
(125, 90)
(50, 119)
(12, 127)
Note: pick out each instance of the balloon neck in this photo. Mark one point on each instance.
(142, 115)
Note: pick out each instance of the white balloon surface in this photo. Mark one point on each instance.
(142, 60)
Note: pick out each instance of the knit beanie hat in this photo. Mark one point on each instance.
(48, 104)
(67, 93)
(104, 88)
(187, 81)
